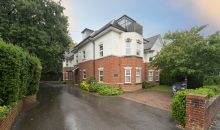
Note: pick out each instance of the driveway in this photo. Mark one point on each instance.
(68, 108)
(156, 99)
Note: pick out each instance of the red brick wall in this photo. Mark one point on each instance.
(114, 65)
(88, 66)
(23, 104)
(148, 67)
(200, 111)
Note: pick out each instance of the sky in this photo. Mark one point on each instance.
(156, 16)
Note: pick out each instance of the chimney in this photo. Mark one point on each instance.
(86, 32)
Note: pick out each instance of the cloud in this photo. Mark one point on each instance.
(204, 10)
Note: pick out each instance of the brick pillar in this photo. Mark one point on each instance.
(195, 112)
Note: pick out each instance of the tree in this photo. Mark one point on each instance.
(38, 26)
(188, 53)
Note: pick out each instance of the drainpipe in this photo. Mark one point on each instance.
(93, 43)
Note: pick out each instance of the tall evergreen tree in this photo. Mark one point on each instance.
(39, 26)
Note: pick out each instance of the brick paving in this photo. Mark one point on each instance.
(156, 99)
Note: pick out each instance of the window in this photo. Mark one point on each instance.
(77, 58)
(101, 50)
(150, 75)
(128, 48)
(101, 75)
(84, 74)
(84, 54)
(138, 50)
(127, 75)
(157, 75)
(151, 58)
(138, 75)
(67, 63)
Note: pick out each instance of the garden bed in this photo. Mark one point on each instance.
(9, 117)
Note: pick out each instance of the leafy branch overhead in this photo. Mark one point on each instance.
(190, 53)
(39, 26)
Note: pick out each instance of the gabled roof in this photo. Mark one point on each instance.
(149, 42)
(112, 23)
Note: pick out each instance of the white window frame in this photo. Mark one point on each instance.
(101, 52)
(157, 75)
(101, 75)
(138, 76)
(128, 48)
(138, 49)
(67, 63)
(84, 74)
(128, 75)
(150, 77)
(77, 59)
(84, 54)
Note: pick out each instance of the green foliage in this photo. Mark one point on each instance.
(38, 26)
(16, 70)
(178, 104)
(147, 84)
(166, 78)
(3, 112)
(212, 80)
(93, 86)
(35, 74)
(85, 86)
(188, 53)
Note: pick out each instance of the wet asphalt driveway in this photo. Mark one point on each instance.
(69, 108)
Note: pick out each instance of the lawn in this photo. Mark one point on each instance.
(161, 88)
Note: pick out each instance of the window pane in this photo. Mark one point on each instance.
(128, 72)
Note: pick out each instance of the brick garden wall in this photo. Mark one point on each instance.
(23, 104)
(201, 111)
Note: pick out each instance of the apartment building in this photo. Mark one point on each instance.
(117, 55)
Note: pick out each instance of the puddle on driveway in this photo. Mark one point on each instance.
(68, 108)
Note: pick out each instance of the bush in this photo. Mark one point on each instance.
(178, 104)
(35, 74)
(16, 73)
(3, 112)
(147, 84)
(84, 86)
(93, 86)
(212, 80)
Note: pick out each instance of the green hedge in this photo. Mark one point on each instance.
(178, 104)
(212, 80)
(19, 73)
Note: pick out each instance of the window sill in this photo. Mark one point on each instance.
(127, 84)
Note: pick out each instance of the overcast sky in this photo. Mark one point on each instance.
(156, 16)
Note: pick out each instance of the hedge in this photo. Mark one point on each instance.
(212, 80)
(178, 104)
(19, 73)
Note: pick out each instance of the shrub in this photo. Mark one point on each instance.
(16, 73)
(3, 112)
(147, 84)
(178, 104)
(99, 88)
(35, 74)
(212, 80)
(85, 86)
(209, 81)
